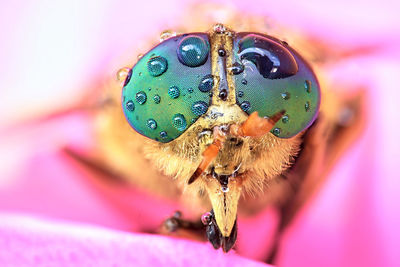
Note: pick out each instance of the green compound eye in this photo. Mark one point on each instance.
(168, 88)
(270, 77)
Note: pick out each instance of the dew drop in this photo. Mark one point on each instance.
(190, 90)
(157, 99)
(285, 95)
(166, 34)
(240, 94)
(236, 68)
(219, 28)
(245, 106)
(223, 94)
(225, 189)
(157, 66)
(192, 51)
(163, 134)
(307, 86)
(206, 83)
(152, 124)
(141, 97)
(307, 106)
(285, 119)
(277, 131)
(244, 81)
(124, 75)
(139, 56)
(199, 108)
(130, 106)
(173, 92)
(179, 122)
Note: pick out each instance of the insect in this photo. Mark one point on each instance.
(225, 112)
(236, 129)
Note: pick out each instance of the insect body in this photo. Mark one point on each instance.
(224, 111)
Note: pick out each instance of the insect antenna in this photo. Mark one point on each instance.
(254, 126)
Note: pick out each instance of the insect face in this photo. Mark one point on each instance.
(225, 111)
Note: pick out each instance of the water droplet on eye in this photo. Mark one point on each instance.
(157, 66)
(179, 122)
(124, 75)
(166, 34)
(240, 94)
(245, 106)
(173, 92)
(199, 108)
(285, 119)
(130, 106)
(163, 134)
(192, 51)
(277, 131)
(285, 95)
(307, 86)
(206, 83)
(141, 97)
(190, 90)
(152, 124)
(236, 68)
(307, 106)
(244, 81)
(157, 99)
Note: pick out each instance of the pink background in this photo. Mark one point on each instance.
(51, 50)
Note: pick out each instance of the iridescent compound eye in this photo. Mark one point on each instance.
(270, 77)
(168, 88)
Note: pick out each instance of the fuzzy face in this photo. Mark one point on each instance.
(210, 137)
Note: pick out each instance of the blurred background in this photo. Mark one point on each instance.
(51, 52)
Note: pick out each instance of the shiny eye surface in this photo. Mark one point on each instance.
(168, 88)
(273, 77)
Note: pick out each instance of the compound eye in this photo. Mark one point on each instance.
(272, 60)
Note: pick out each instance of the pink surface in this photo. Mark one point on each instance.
(27, 241)
(53, 50)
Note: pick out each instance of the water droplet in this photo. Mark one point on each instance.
(285, 95)
(225, 189)
(130, 106)
(244, 81)
(124, 75)
(152, 124)
(223, 94)
(240, 94)
(179, 122)
(193, 51)
(206, 83)
(173, 92)
(190, 90)
(307, 106)
(166, 34)
(193, 120)
(221, 52)
(219, 28)
(285, 119)
(157, 99)
(139, 56)
(163, 134)
(236, 68)
(277, 131)
(245, 106)
(307, 86)
(157, 66)
(141, 97)
(206, 218)
(199, 108)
